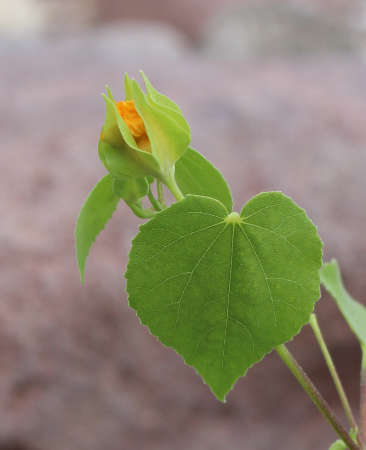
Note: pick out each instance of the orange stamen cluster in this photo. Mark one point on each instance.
(132, 118)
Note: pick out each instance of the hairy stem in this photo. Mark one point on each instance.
(155, 203)
(174, 188)
(141, 212)
(363, 397)
(159, 188)
(333, 371)
(315, 395)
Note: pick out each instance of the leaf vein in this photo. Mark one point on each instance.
(281, 222)
(246, 328)
(228, 297)
(204, 214)
(263, 272)
(164, 247)
(261, 209)
(277, 234)
(192, 273)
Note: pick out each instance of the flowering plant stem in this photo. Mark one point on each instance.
(159, 188)
(315, 395)
(155, 203)
(333, 371)
(194, 261)
(139, 211)
(173, 187)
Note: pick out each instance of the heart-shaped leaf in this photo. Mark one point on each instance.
(222, 289)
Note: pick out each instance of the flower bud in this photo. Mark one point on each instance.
(143, 135)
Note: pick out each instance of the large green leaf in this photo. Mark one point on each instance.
(224, 289)
(196, 175)
(353, 312)
(95, 213)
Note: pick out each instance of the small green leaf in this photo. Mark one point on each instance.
(353, 432)
(195, 175)
(338, 445)
(353, 312)
(95, 213)
(222, 289)
(130, 189)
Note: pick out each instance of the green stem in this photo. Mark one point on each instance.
(315, 395)
(363, 397)
(173, 187)
(141, 212)
(333, 371)
(155, 203)
(159, 187)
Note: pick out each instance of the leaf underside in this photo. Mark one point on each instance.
(353, 312)
(224, 291)
(95, 213)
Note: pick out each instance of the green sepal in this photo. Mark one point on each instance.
(168, 138)
(160, 98)
(127, 86)
(95, 213)
(353, 311)
(156, 99)
(126, 162)
(130, 189)
(196, 175)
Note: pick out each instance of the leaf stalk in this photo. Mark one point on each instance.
(139, 211)
(315, 395)
(154, 202)
(333, 371)
(173, 187)
(160, 191)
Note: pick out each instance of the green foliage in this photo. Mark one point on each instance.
(95, 213)
(338, 445)
(124, 161)
(222, 289)
(130, 189)
(196, 175)
(353, 312)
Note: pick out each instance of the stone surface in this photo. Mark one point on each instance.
(189, 16)
(76, 368)
(268, 29)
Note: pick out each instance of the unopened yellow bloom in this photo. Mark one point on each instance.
(145, 134)
(133, 120)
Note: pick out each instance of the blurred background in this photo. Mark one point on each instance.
(275, 93)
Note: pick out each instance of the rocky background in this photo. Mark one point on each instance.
(275, 95)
